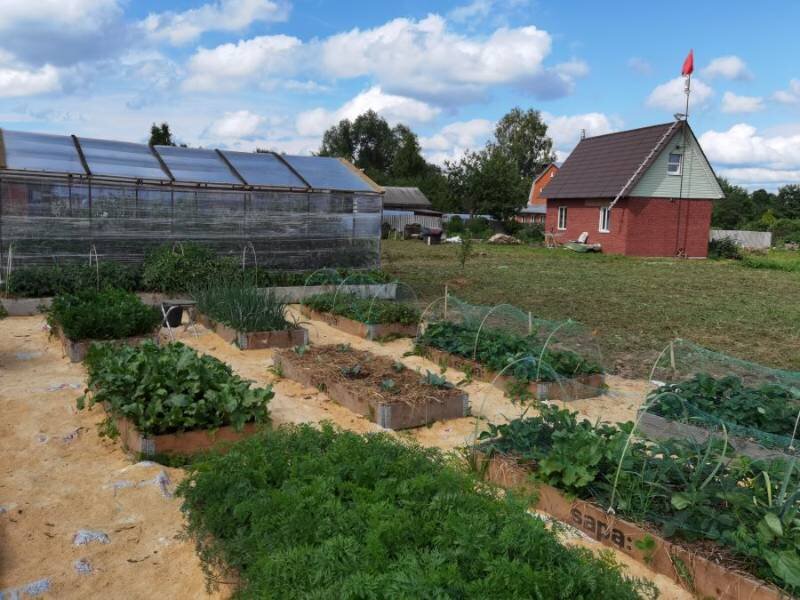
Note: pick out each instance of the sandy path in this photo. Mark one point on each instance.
(55, 482)
(57, 477)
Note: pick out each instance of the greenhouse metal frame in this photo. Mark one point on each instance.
(68, 198)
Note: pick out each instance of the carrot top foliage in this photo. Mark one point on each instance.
(302, 512)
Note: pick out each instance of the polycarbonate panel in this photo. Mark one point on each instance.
(41, 152)
(196, 165)
(263, 168)
(121, 159)
(325, 173)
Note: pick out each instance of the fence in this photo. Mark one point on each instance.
(398, 222)
(754, 240)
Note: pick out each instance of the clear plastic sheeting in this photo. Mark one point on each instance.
(264, 169)
(47, 222)
(121, 159)
(196, 165)
(41, 152)
(325, 173)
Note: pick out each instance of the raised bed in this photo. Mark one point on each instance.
(76, 350)
(410, 404)
(297, 293)
(28, 307)
(658, 428)
(256, 340)
(583, 386)
(365, 330)
(184, 443)
(704, 578)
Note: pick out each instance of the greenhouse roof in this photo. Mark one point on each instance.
(107, 159)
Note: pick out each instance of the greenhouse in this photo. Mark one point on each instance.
(70, 198)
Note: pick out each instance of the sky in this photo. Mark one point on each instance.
(246, 74)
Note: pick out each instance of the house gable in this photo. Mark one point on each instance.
(699, 180)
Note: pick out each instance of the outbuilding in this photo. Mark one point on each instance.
(642, 192)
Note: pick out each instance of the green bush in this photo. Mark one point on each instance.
(179, 269)
(242, 307)
(779, 260)
(364, 310)
(106, 315)
(785, 230)
(690, 491)
(479, 228)
(307, 513)
(40, 282)
(531, 233)
(170, 389)
(724, 248)
(455, 226)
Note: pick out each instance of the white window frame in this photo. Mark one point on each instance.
(680, 163)
(561, 225)
(605, 215)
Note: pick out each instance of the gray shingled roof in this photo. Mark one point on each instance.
(404, 197)
(600, 166)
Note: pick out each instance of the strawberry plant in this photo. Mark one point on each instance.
(364, 310)
(521, 356)
(169, 389)
(105, 315)
(306, 512)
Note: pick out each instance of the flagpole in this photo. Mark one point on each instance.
(687, 89)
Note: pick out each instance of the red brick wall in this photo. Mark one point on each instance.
(539, 185)
(639, 226)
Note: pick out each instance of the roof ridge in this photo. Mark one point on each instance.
(594, 137)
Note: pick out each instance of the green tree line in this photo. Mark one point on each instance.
(759, 210)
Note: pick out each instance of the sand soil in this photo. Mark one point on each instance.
(79, 518)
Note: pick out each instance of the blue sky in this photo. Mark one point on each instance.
(275, 73)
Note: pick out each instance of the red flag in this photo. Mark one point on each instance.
(688, 64)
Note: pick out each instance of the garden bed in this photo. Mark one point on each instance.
(76, 350)
(703, 577)
(183, 443)
(297, 293)
(658, 428)
(384, 391)
(582, 386)
(255, 340)
(370, 331)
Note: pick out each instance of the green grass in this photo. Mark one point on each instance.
(634, 305)
(779, 260)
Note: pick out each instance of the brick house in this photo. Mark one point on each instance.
(642, 192)
(535, 210)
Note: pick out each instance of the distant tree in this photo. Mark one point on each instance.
(160, 135)
(735, 209)
(487, 182)
(407, 161)
(787, 204)
(522, 135)
(338, 141)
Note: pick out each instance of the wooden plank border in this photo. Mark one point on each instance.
(364, 330)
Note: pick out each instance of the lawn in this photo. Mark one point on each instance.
(634, 305)
(780, 260)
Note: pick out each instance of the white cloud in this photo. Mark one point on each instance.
(565, 130)
(756, 177)
(640, 66)
(742, 145)
(424, 59)
(453, 140)
(223, 15)
(728, 67)
(391, 107)
(229, 65)
(475, 10)
(81, 14)
(21, 82)
(791, 95)
(572, 69)
(670, 96)
(235, 125)
(732, 103)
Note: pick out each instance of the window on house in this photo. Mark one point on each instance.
(562, 217)
(674, 163)
(552, 174)
(605, 219)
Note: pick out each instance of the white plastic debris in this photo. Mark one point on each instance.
(86, 536)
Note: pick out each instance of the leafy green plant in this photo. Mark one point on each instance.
(500, 349)
(243, 307)
(307, 512)
(690, 490)
(398, 367)
(356, 371)
(40, 282)
(169, 389)
(364, 310)
(106, 315)
(388, 385)
(771, 408)
(183, 267)
(436, 381)
(724, 248)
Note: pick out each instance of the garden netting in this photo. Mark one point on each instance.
(712, 390)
